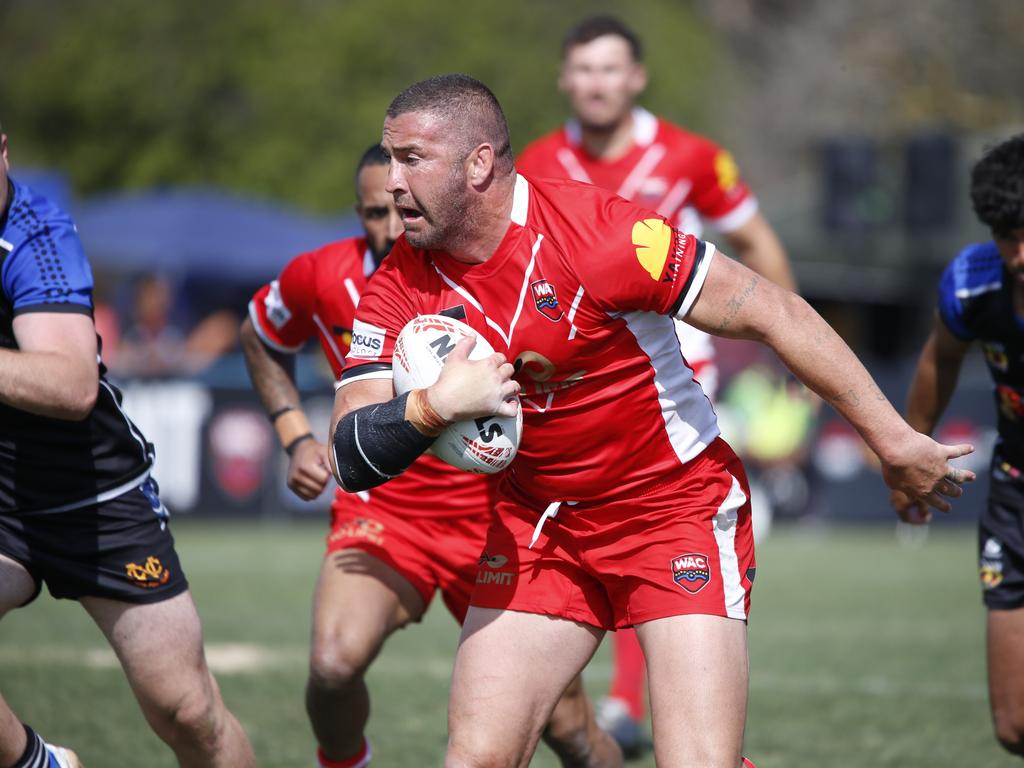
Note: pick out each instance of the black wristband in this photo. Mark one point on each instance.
(290, 448)
(280, 412)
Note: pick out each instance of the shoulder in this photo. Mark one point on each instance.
(36, 222)
(572, 210)
(678, 138)
(976, 270)
(544, 145)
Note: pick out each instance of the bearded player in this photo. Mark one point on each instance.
(390, 548)
(615, 144)
(623, 506)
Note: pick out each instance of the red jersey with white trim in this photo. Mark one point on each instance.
(581, 294)
(677, 173)
(316, 295)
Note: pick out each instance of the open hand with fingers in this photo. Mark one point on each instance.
(920, 476)
(467, 389)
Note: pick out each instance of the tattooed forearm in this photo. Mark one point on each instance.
(849, 397)
(736, 303)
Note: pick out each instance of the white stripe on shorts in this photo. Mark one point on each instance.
(725, 534)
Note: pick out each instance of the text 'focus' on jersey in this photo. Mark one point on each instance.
(580, 293)
(976, 302)
(682, 176)
(316, 294)
(48, 464)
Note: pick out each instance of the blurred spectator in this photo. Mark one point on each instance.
(153, 345)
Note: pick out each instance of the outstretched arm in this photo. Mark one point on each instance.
(273, 378)
(935, 377)
(737, 303)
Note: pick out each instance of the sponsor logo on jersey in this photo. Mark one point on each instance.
(277, 312)
(360, 528)
(492, 573)
(659, 249)
(726, 171)
(545, 300)
(367, 340)
(691, 571)
(148, 575)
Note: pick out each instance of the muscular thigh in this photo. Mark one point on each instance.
(158, 644)
(510, 670)
(360, 600)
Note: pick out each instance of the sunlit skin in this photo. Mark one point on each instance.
(602, 82)
(377, 211)
(448, 200)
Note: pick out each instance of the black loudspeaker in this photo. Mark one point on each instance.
(929, 184)
(852, 191)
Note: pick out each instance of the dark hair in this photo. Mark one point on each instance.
(374, 155)
(468, 105)
(997, 187)
(594, 27)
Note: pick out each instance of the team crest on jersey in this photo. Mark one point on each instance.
(545, 300)
(148, 575)
(659, 249)
(995, 355)
(691, 571)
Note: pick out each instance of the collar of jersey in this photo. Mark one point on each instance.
(645, 129)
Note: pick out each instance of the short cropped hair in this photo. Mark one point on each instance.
(374, 155)
(997, 187)
(469, 106)
(594, 27)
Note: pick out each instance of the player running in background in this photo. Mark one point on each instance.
(623, 507)
(981, 298)
(615, 144)
(389, 549)
(78, 508)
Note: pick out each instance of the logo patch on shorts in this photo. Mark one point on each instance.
(151, 574)
(990, 569)
(493, 574)
(691, 571)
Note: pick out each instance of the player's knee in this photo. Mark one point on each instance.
(479, 755)
(338, 662)
(195, 722)
(567, 731)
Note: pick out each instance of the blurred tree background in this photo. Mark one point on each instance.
(280, 99)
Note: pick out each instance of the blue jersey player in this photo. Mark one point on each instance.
(981, 298)
(78, 508)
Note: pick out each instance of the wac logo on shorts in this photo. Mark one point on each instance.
(152, 574)
(545, 300)
(691, 572)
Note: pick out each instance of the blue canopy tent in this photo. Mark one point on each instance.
(200, 232)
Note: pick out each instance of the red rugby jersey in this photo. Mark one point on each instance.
(681, 175)
(316, 295)
(581, 291)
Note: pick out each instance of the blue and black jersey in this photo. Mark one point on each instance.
(51, 464)
(976, 302)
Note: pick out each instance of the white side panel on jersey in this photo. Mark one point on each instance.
(729, 566)
(689, 419)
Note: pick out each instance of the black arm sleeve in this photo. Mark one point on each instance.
(374, 444)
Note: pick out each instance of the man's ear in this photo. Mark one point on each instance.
(480, 164)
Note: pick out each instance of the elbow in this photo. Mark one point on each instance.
(80, 402)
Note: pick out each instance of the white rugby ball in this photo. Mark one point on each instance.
(485, 445)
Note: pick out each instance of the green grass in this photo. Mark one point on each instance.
(864, 653)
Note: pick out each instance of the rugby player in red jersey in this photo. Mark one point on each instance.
(390, 548)
(615, 144)
(623, 507)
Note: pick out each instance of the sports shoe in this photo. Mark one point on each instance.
(613, 717)
(62, 758)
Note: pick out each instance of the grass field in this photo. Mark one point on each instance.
(865, 653)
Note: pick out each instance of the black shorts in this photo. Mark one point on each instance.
(1001, 539)
(121, 549)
